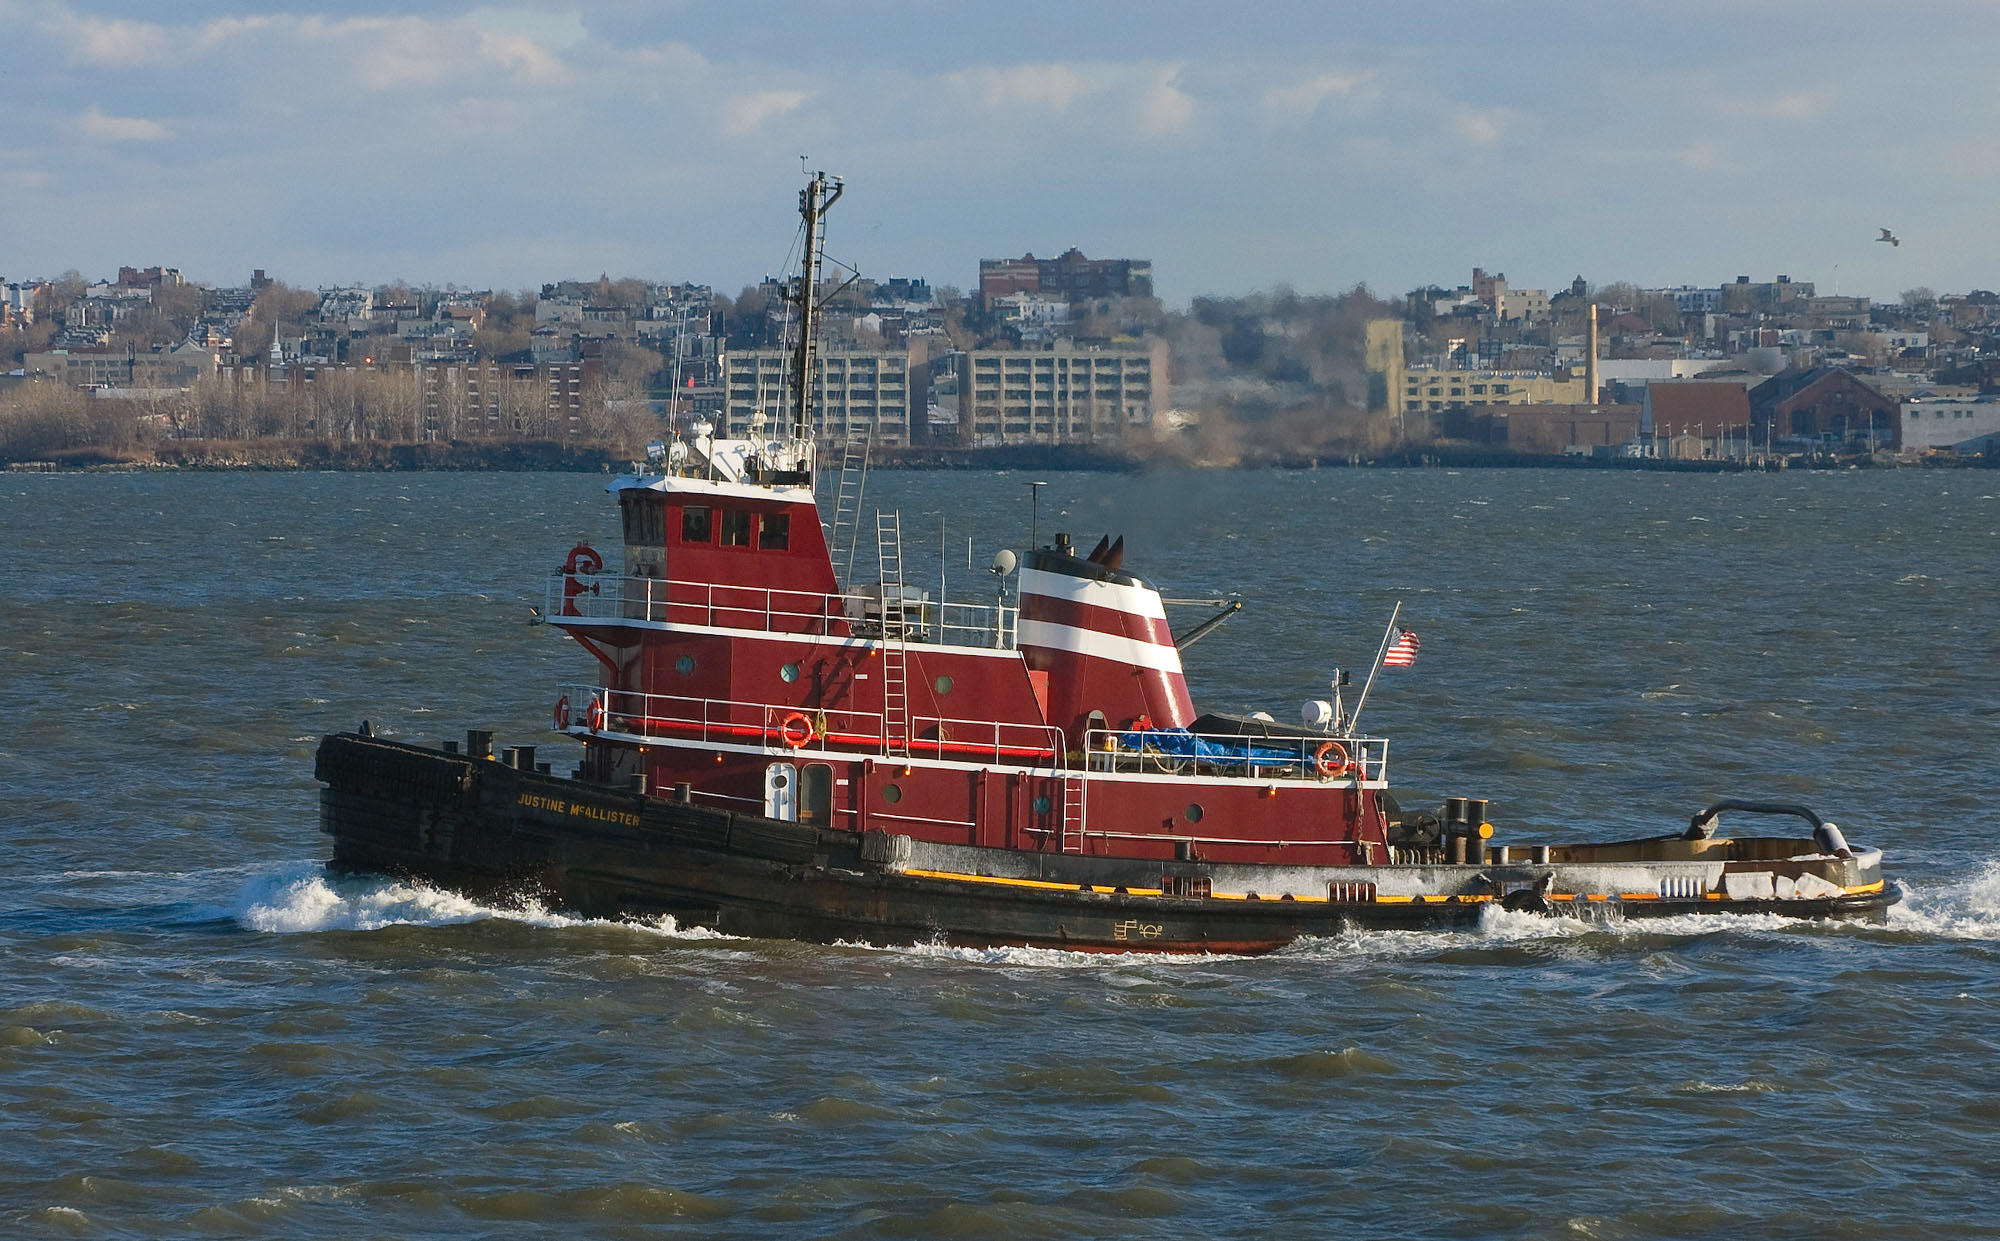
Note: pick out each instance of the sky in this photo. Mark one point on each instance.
(1237, 146)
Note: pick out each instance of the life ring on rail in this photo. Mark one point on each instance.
(1331, 760)
(562, 713)
(795, 730)
(596, 713)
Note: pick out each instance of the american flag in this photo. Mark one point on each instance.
(1403, 651)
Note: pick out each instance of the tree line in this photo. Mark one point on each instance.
(46, 420)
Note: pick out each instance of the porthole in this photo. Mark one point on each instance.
(790, 672)
(684, 665)
(1042, 805)
(892, 793)
(1193, 813)
(943, 685)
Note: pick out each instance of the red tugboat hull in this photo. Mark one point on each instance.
(486, 828)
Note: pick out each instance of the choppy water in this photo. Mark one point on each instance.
(202, 1034)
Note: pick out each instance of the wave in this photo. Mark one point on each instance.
(1036, 958)
(301, 898)
(304, 898)
(1497, 928)
(1967, 908)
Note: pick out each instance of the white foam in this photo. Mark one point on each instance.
(1496, 927)
(1036, 958)
(1967, 908)
(303, 898)
(1749, 1087)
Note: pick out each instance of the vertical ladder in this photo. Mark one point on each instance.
(1072, 813)
(895, 623)
(847, 502)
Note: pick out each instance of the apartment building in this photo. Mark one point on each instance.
(178, 367)
(1068, 394)
(858, 394)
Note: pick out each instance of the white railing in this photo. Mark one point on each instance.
(604, 596)
(782, 728)
(1313, 760)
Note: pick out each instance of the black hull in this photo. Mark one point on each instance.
(481, 827)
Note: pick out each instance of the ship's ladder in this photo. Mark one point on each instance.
(1072, 813)
(847, 503)
(895, 624)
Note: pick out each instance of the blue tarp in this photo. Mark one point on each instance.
(1181, 743)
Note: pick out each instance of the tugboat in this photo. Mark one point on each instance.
(769, 751)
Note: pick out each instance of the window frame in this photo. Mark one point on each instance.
(689, 520)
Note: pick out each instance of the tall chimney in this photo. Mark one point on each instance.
(1590, 359)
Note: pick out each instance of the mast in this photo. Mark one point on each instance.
(814, 202)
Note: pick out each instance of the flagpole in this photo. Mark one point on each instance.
(1354, 721)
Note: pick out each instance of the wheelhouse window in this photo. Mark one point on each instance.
(694, 524)
(775, 532)
(645, 522)
(735, 528)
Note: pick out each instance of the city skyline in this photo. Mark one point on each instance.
(1295, 144)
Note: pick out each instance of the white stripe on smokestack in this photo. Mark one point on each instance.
(1117, 596)
(1051, 636)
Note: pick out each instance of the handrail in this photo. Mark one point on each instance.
(860, 614)
(783, 727)
(1308, 760)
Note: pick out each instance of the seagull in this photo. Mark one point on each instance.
(1890, 237)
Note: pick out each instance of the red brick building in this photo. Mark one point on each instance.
(1824, 405)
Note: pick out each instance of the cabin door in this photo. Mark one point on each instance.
(781, 792)
(816, 795)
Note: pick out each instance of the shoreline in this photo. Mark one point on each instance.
(537, 456)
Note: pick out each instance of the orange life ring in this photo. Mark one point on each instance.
(596, 713)
(795, 737)
(562, 713)
(1331, 766)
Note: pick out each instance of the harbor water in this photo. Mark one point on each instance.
(205, 1034)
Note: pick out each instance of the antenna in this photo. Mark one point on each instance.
(815, 200)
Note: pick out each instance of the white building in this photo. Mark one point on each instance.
(1693, 301)
(1933, 425)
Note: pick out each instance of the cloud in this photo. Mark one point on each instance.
(747, 113)
(1800, 105)
(1304, 98)
(1483, 126)
(1113, 98)
(113, 44)
(378, 53)
(1706, 92)
(1164, 108)
(27, 178)
(99, 127)
(524, 56)
(1701, 157)
(1051, 86)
